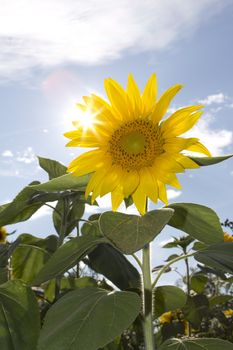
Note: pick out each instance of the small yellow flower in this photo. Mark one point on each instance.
(135, 152)
(166, 317)
(3, 234)
(228, 313)
(227, 237)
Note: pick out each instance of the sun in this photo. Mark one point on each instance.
(85, 120)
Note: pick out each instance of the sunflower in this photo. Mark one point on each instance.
(133, 152)
(3, 234)
(227, 237)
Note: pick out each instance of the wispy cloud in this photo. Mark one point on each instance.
(172, 194)
(7, 153)
(27, 156)
(19, 163)
(216, 140)
(214, 99)
(50, 32)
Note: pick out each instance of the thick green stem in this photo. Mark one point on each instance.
(188, 285)
(147, 300)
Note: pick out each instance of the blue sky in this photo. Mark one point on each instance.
(53, 52)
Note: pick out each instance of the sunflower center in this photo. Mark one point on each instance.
(136, 144)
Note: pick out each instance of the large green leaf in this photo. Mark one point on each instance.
(31, 255)
(219, 256)
(88, 319)
(19, 209)
(219, 299)
(204, 161)
(111, 263)
(168, 298)
(195, 309)
(130, 233)
(62, 183)
(74, 213)
(196, 344)
(67, 283)
(52, 167)
(66, 257)
(19, 317)
(198, 282)
(199, 221)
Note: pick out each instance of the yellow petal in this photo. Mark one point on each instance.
(149, 184)
(84, 142)
(87, 162)
(177, 144)
(162, 192)
(129, 181)
(200, 148)
(117, 198)
(167, 163)
(179, 123)
(139, 199)
(117, 96)
(187, 163)
(96, 180)
(134, 95)
(110, 181)
(164, 102)
(149, 95)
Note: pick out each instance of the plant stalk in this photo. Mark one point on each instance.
(188, 285)
(147, 300)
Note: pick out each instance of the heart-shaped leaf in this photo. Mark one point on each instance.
(130, 233)
(88, 318)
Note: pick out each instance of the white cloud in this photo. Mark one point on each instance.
(214, 139)
(7, 153)
(214, 99)
(52, 32)
(172, 194)
(27, 156)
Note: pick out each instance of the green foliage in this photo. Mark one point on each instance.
(74, 311)
(130, 233)
(63, 183)
(111, 263)
(97, 318)
(198, 282)
(19, 209)
(196, 344)
(31, 255)
(218, 256)
(195, 309)
(76, 211)
(52, 167)
(204, 161)
(168, 298)
(199, 221)
(66, 257)
(19, 317)
(67, 284)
